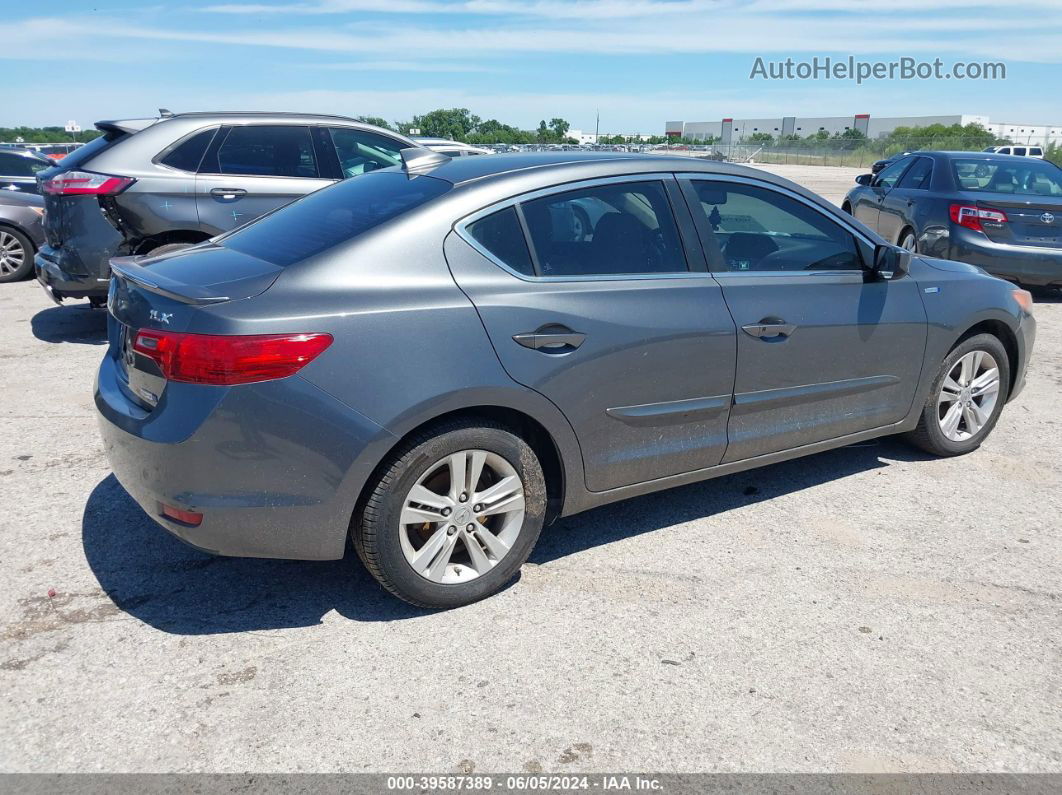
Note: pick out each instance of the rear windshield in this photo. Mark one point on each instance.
(83, 154)
(333, 215)
(1021, 177)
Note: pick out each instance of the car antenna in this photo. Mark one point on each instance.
(420, 160)
(165, 113)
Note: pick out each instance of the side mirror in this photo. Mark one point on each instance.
(891, 262)
(864, 179)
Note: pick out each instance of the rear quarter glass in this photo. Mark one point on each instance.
(333, 215)
(97, 146)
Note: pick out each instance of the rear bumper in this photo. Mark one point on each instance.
(61, 283)
(1024, 264)
(275, 468)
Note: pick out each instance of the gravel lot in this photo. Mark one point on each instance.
(866, 609)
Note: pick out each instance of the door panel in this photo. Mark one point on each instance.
(851, 362)
(648, 388)
(821, 351)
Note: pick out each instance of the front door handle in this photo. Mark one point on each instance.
(551, 339)
(769, 328)
(228, 194)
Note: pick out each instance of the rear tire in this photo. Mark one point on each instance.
(16, 255)
(444, 560)
(909, 241)
(963, 405)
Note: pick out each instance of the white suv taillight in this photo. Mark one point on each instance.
(85, 183)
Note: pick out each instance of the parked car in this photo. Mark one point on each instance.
(417, 359)
(1020, 151)
(451, 148)
(21, 234)
(885, 162)
(156, 185)
(1000, 212)
(19, 169)
(56, 151)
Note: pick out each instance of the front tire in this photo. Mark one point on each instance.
(966, 399)
(453, 515)
(909, 241)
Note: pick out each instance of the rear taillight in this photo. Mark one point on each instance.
(973, 217)
(230, 359)
(85, 183)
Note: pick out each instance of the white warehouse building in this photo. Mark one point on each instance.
(731, 130)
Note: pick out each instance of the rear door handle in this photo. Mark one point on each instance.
(229, 194)
(769, 328)
(551, 339)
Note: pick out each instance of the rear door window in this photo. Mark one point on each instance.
(360, 151)
(605, 230)
(1020, 151)
(918, 176)
(268, 151)
(334, 215)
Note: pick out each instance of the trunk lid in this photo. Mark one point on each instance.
(1036, 221)
(165, 293)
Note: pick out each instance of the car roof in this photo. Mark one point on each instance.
(279, 117)
(463, 170)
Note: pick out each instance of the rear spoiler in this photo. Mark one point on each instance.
(124, 126)
(126, 268)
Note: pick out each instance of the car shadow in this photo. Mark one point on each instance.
(159, 580)
(75, 323)
(713, 497)
(1046, 296)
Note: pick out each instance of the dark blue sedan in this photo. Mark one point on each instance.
(1001, 212)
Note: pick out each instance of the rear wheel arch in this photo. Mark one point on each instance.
(178, 236)
(521, 424)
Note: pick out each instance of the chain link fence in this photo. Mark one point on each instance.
(853, 153)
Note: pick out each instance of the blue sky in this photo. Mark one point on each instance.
(640, 62)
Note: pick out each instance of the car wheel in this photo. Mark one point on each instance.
(167, 248)
(16, 255)
(453, 514)
(846, 207)
(581, 228)
(909, 241)
(966, 399)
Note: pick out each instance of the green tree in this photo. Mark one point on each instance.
(453, 123)
(376, 121)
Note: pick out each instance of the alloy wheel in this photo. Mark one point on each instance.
(968, 396)
(462, 516)
(909, 242)
(12, 254)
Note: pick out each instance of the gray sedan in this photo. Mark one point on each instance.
(1001, 212)
(434, 361)
(21, 233)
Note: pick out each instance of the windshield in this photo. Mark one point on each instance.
(1021, 177)
(334, 215)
